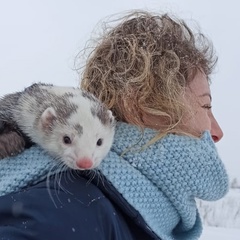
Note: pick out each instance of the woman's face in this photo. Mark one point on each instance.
(198, 98)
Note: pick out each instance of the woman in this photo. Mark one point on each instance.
(153, 72)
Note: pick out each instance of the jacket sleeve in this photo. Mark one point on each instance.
(62, 207)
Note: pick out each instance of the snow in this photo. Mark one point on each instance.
(217, 233)
(221, 219)
(222, 213)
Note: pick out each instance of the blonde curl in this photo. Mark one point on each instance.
(142, 65)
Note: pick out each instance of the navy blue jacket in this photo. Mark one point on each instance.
(73, 205)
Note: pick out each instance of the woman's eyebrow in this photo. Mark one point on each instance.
(206, 95)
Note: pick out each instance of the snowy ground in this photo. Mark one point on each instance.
(221, 219)
(217, 233)
(222, 213)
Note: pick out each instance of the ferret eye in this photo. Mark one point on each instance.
(99, 142)
(67, 140)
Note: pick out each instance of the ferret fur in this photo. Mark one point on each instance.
(69, 123)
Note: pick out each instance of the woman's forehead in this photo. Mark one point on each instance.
(200, 85)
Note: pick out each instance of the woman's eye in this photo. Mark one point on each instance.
(67, 140)
(207, 106)
(99, 142)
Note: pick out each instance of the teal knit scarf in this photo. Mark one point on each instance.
(161, 181)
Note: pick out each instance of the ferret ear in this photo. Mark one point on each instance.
(47, 118)
(111, 117)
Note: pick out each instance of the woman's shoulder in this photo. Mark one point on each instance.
(29, 167)
(66, 206)
(59, 207)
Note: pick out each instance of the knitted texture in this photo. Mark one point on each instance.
(32, 166)
(161, 181)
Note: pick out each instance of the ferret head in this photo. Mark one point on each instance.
(80, 139)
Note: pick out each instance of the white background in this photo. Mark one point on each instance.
(40, 39)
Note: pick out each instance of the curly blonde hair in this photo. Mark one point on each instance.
(143, 64)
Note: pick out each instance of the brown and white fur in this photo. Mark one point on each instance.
(69, 123)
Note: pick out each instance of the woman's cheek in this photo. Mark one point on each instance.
(197, 122)
(202, 121)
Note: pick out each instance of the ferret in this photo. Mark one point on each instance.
(70, 124)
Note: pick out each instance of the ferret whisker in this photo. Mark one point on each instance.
(48, 181)
(101, 179)
(92, 174)
(54, 172)
(98, 176)
(63, 169)
(67, 176)
(71, 175)
(76, 174)
(57, 187)
(59, 177)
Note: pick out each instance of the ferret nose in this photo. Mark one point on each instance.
(84, 163)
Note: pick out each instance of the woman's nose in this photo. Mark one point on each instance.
(216, 131)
